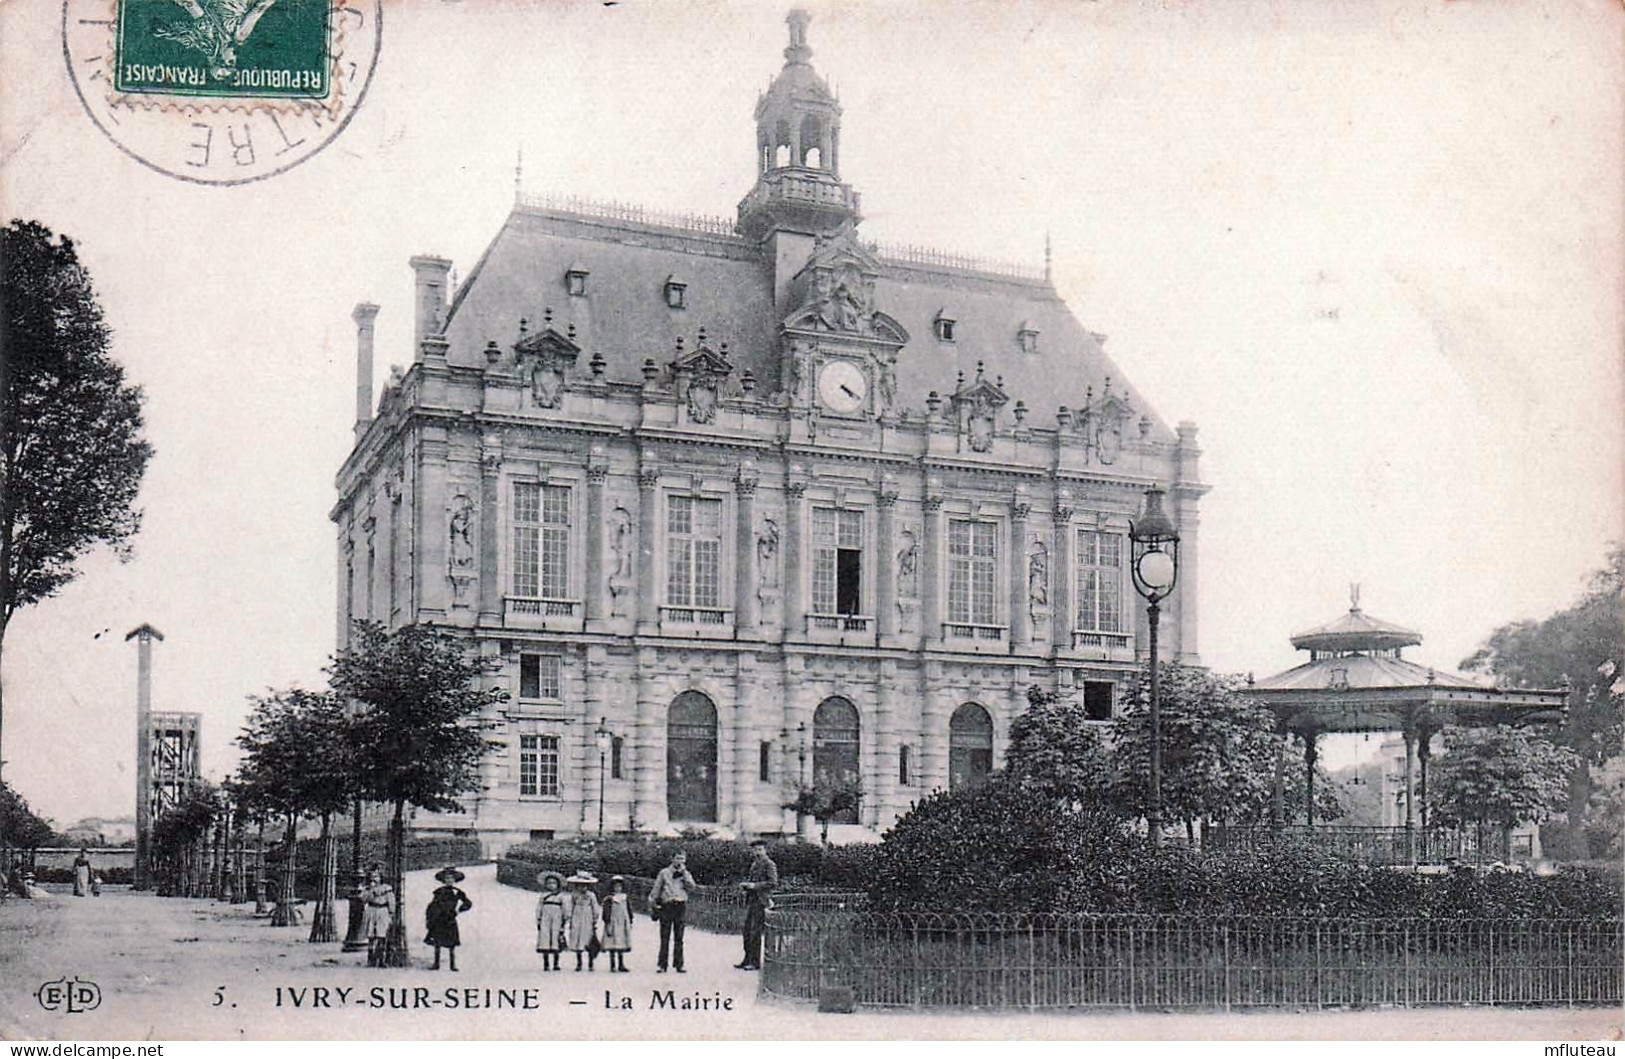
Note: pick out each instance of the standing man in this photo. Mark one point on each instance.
(668, 904)
(764, 877)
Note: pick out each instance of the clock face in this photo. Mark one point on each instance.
(842, 387)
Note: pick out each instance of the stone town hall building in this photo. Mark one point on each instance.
(762, 499)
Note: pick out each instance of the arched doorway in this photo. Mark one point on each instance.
(970, 746)
(835, 747)
(691, 759)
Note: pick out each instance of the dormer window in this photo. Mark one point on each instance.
(575, 280)
(944, 327)
(1028, 337)
(674, 292)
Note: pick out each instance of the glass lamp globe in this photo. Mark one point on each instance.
(1156, 569)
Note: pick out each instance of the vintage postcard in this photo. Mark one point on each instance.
(833, 520)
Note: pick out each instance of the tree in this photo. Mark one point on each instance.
(290, 770)
(20, 828)
(1053, 750)
(1501, 776)
(1002, 846)
(177, 841)
(71, 451)
(419, 733)
(826, 799)
(1582, 646)
(1606, 811)
(1218, 748)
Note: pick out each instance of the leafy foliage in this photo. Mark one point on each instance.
(1056, 753)
(20, 826)
(1218, 748)
(997, 848)
(298, 754)
(826, 799)
(1581, 645)
(1002, 846)
(71, 450)
(1500, 775)
(419, 731)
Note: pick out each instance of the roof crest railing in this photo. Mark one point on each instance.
(627, 211)
(930, 257)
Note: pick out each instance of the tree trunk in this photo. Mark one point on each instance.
(1576, 842)
(285, 915)
(395, 952)
(1480, 857)
(239, 883)
(260, 906)
(322, 927)
(1190, 834)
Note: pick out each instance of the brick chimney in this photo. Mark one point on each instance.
(363, 314)
(429, 300)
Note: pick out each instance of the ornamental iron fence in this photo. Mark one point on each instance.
(1165, 962)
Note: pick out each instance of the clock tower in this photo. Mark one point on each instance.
(840, 351)
(798, 194)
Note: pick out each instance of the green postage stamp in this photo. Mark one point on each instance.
(226, 48)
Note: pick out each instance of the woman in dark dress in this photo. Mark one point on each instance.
(448, 901)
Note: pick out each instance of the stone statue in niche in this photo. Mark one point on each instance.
(620, 570)
(908, 566)
(888, 386)
(460, 566)
(767, 555)
(1109, 439)
(1038, 581)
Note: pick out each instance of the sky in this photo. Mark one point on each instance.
(1372, 249)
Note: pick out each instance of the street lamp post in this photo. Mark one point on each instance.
(604, 739)
(801, 778)
(1155, 569)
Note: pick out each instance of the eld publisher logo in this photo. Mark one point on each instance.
(73, 997)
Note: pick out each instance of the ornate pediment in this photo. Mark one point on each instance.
(1104, 422)
(699, 374)
(835, 293)
(976, 409)
(544, 357)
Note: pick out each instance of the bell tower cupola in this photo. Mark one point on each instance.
(798, 143)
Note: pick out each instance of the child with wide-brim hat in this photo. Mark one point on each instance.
(551, 913)
(617, 923)
(441, 916)
(581, 923)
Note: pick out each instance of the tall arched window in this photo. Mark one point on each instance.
(970, 746)
(836, 740)
(691, 758)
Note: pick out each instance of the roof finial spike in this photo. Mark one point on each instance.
(1354, 597)
(1047, 257)
(519, 174)
(798, 52)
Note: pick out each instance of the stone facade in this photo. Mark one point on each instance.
(756, 499)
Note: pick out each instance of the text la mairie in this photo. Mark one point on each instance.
(762, 500)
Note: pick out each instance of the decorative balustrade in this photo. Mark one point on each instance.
(839, 623)
(958, 630)
(540, 612)
(696, 615)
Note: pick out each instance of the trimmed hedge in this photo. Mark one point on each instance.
(1002, 847)
(420, 853)
(110, 876)
(715, 862)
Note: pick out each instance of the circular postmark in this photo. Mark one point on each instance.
(221, 91)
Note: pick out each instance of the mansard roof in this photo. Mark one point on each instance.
(624, 316)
